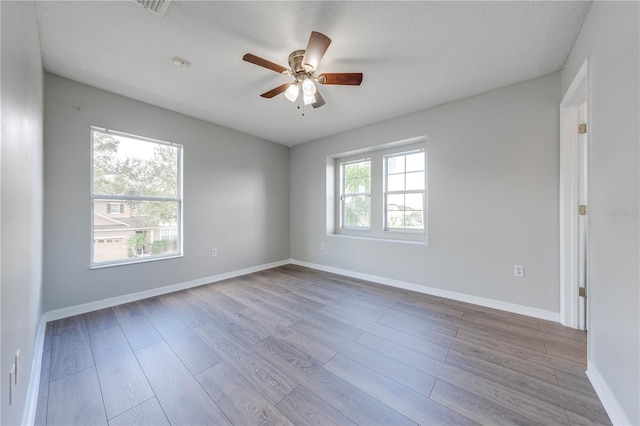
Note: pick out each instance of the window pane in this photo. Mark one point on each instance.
(357, 212)
(415, 162)
(414, 220)
(395, 202)
(133, 167)
(395, 219)
(357, 177)
(395, 182)
(395, 164)
(415, 181)
(137, 232)
(414, 202)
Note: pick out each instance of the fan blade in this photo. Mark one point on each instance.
(266, 64)
(319, 100)
(273, 92)
(317, 46)
(342, 78)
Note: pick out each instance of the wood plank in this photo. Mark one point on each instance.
(548, 327)
(71, 349)
(214, 299)
(416, 325)
(578, 420)
(304, 408)
(490, 337)
(476, 408)
(505, 396)
(413, 405)
(195, 354)
(122, 381)
(542, 391)
(184, 309)
(485, 353)
(269, 380)
(258, 304)
(100, 320)
(135, 325)
(281, 332)
(75, 400)
(237, 399)
(147, 413)
(179, 393)
(567, 352)
(241, 329)
(353, 403)
(576, 383)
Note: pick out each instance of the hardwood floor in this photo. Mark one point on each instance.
(292, 345)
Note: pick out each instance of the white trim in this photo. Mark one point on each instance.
(119, 300)
(33, 389)
(569, 170)
(476, 300)
(609, 401)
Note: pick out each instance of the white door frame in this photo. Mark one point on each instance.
(579, 91)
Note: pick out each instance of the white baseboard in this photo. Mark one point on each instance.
(610, 403)
(119, 300)
(33, 389)
(476, 300)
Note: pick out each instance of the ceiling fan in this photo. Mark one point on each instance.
(303, 64)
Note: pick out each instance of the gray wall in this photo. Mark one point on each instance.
(610, 37)
(236, 196)
(21, 200)
(493, 198)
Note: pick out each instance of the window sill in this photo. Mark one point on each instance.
(133, 262)
(386, 239)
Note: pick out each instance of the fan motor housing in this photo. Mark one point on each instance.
(295, 62)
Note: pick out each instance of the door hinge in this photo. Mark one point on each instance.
(582, 210)
(582, 128)
(582, 291)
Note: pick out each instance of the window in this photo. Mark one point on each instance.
(115, 208)
(137, 195)
(383, 193)
(405, 190)
(356, 193)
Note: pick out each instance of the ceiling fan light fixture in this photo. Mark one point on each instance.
(292, 92)
(308, 88)
(309, 99)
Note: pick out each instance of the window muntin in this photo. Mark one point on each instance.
(396, 190)
(356, 194)
(405, 190)
(136, 193)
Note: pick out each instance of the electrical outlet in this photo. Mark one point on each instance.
(321, 246)
(214, 252)
(518, 271)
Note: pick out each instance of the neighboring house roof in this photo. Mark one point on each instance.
(131, 223)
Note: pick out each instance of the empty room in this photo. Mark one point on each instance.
(319, 212)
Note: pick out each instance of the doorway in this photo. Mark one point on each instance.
(574, 206)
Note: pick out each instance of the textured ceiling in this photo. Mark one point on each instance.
(414, 55)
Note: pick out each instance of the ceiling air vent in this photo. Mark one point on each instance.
(159, 7)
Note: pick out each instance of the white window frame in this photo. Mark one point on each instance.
(378, 229)
(107, 197)
(344, 195)
(405, 191)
